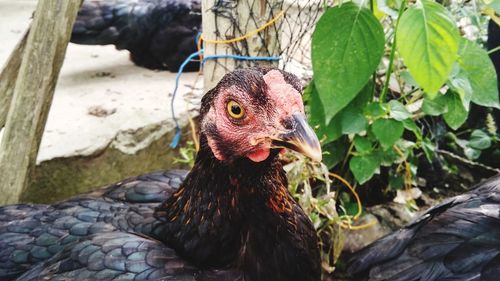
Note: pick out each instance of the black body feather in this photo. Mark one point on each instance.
(456, 240)
(160, 34)
(31, 234)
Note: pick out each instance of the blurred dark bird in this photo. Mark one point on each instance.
(160, 34)
(456, 240)
(493, 42)
(230, 218)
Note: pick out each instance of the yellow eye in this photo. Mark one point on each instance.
(235, 110)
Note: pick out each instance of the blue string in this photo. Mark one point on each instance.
(177, 137)
(236, 57)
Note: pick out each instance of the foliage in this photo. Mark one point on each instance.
(187, 154)
(381, 69)
(393, 86)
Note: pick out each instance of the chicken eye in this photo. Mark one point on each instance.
(235, 110)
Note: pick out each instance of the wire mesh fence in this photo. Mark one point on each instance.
(288, 37)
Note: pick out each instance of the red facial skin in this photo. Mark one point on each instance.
(251, 135)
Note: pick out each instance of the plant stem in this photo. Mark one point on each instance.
(497, 48)
(391, 57)
(349, 151)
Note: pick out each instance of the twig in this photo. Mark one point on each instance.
(467, 161)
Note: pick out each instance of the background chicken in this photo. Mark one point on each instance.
(456, 240)
(159, 34)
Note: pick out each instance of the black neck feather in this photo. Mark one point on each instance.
(240, 215)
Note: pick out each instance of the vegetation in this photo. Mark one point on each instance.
(394, 84)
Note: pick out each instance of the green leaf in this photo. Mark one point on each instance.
(427, 39)
(364, 167)
(456, 114)
(374, 110)
(406, 76)
(398, 111)
(316, 115)
(429, 149)
(347, 46)
(388, 157)
(434, 107)
(495, 4)
(409, 124)
(479, 69)
(353, 121)
(396, 182)
(460, 84)
(333, 130)
(479, 140)
(352, 118)
(387, 131)
(472, 153)
(335, 152)
(362, 144)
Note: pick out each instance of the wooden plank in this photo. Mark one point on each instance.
(8, 78)
(41, 63)
(249, 16)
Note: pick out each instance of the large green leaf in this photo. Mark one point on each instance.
(316, 113)
(364, 167)
(387, 131)
(477, 66)
(347, 46)
(427, 39)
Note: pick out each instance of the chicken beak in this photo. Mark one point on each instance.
(301, 138)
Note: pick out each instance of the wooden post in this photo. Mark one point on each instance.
(249, 15)
(8, 78)
(42, 60)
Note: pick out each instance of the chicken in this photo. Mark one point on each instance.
(160, 34)
(456, 240)
(492, 43)
(230, 218)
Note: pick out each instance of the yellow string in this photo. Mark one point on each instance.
(193, 134)
(249, 34)
(348, 225)
(356, 196)
(198, 47)
(237, 39)
(357, 227)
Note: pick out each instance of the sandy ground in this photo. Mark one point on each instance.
(102, 99)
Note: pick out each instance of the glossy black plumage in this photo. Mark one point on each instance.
(30, 234)
(228, 219)
(456, 240)
(159, 34)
